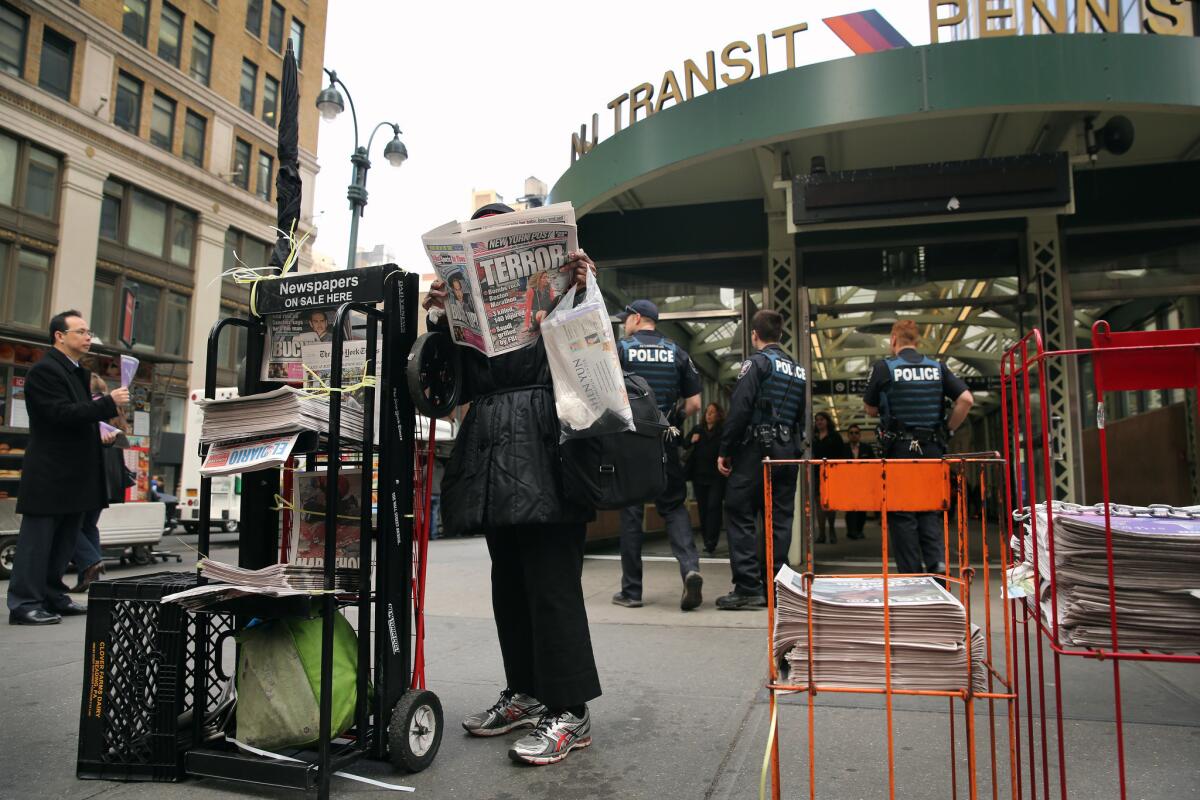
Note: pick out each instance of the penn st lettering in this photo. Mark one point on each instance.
(916, 374)
(651, 355)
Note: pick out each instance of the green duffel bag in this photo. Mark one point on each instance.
(279, 681)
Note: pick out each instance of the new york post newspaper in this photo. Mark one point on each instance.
(502, 274)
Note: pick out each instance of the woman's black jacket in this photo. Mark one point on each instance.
(504, 470)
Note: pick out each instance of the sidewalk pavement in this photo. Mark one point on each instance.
(683, 713)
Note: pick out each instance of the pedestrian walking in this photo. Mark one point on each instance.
(669, 371)
(62, 474)
(826, 443)
(856, 521)
(766, 418)
(88, 558)
(908, 392)
(534, 535)
(703, 444)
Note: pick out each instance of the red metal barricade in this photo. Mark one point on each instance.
(1120, 361)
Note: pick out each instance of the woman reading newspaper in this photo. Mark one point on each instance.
(504, 480)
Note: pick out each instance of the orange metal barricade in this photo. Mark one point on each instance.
(908, 485)
(1120, 361)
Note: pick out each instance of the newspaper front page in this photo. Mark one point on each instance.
(318, 359)
(502, 274)
(307, 544)
(288, 334)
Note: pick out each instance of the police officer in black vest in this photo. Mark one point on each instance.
(766, 418)
(908, 393)
(671, 374)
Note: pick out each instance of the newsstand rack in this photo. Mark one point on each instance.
(1120, 361)
(392, 717)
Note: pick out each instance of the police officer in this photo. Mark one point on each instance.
(766, 418)
(669, 371)
(908, 392)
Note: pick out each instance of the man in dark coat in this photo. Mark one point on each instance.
(504, 480)
(62, 474)
(857, 448)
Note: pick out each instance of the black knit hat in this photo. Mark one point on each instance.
(490, 209)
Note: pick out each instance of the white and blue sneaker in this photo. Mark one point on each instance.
(555, 736)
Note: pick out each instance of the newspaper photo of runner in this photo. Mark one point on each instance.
(539, 299)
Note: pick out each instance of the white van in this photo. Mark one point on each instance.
(226, 489)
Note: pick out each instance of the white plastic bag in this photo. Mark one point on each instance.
(589, 386)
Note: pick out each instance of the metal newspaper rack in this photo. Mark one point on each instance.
(910, 485)
(1120, 361)
(393, 716)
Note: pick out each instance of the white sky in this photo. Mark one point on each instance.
(486, 97)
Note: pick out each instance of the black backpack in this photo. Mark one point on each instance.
(615, 470)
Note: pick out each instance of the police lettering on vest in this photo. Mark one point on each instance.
(914, 396)
(782, 389)
(647, 355)
(656, 363)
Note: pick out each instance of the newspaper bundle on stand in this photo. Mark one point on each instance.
(284, 410)
(927, 626)
(502, 274)
(277, 580)
(318, 364)
(1156, 568)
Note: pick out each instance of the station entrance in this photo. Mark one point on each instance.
(849, 194)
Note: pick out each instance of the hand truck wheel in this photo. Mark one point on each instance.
(415, 732)
(141, 555)
(434, 374)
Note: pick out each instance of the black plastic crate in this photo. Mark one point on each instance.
(139, 678)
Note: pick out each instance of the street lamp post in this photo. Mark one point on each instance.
(329, 101)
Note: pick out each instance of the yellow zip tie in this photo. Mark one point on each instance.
(762, 778)
(245, 274)
(283, 505)
(365, 381)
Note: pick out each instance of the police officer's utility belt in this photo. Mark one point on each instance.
(766, 434)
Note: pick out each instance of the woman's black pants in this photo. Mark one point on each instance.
(537, 599)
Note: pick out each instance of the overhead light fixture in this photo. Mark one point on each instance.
(329, 102)
(395, 151)
(947, 341)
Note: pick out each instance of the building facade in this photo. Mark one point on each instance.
(137, 164)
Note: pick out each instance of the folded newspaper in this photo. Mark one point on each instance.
(277, 580)
(502, 274)
(232, 458)
(927, 630)
(283, 410)
(1156, 569)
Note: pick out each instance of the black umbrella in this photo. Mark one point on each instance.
(288, 185)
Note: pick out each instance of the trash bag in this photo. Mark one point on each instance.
(589, 388)
(279, 681)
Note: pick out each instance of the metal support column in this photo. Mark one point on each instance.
(783, 294)
(1048, 281)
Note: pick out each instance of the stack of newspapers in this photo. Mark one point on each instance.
(277, 580)
(284, 410)
(1156, 570)
(927, 628)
